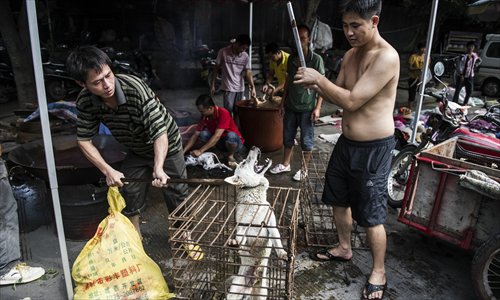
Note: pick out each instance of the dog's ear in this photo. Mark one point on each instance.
(234, 180)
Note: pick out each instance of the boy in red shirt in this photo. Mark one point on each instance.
(216, 128)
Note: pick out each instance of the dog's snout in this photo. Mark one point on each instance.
(256, 150)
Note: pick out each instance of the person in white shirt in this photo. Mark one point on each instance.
(465, 75)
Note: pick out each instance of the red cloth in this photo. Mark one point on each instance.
(221, 119)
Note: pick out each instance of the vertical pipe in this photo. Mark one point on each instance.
(428, 46)
(49, 20)
(47, 140)
(250, 31)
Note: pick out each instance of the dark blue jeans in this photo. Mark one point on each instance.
(10, 251)
(469, 87)
(293, 120)
(231, 138)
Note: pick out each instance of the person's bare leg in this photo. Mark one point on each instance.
(378, 242)
(231, 149)
(343, 223)
(287, 156)
(135, 221)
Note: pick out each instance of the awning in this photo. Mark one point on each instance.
(485, 10)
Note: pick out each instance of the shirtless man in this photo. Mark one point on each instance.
(356, 177)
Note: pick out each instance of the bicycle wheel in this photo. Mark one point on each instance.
(486, 269)
(398, 176)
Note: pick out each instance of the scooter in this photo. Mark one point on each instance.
(58, 84)
(448, 123)
(134, 63)
(207, 58)
(332, 61)
(7, 83)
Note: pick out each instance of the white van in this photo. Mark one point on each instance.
(488, 75)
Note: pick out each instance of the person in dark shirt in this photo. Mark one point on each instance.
(138, 120)
(12, 270)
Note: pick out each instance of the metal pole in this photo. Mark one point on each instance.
(250, 31)
(296, 37)
(51, 32)
(427, 56)
(47, 140)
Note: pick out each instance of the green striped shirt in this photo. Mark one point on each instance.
(137, 122)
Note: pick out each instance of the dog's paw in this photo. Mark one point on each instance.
(282, 254)
(233, 243)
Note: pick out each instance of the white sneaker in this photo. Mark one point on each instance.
(280, 168)
(21, 273)
(300, 175)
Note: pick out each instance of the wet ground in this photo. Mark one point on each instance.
(417, 267)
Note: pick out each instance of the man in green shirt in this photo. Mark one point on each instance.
(302, 107)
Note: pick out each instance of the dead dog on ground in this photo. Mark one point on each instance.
(256, 232)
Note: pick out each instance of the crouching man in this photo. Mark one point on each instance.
(216, 128)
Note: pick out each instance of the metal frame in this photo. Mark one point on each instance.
(207, 219)
(317, 218)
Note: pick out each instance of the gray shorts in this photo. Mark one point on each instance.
(135, 193)
(356, 177)
(230, 99)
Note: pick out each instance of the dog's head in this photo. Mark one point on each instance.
(248, 173)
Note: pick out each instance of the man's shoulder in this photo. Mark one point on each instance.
(83, 98)
(386, 52)
(225, 50)
(130, 80)
(223, 112)
(316, 57)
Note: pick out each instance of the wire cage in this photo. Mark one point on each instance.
(317, 217)
(206, 261)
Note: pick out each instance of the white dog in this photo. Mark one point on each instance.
(254, 241)
(207, 160)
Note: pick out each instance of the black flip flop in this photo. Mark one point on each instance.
(325, 252)
(372, 288)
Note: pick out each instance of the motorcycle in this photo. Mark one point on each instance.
(332, 61)
(207, 58)
(59, 85)
(446, 124)
(7, 83)
(134, 63)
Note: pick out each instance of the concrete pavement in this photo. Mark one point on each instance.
(417, 267)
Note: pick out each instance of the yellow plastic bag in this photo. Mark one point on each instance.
(113, 264)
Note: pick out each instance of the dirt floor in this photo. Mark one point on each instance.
(417, 267)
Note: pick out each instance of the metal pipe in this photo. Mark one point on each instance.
(427, 56)
(179, 180)
(296, 37)
(47, 140)
(250, 32)
(296, 34)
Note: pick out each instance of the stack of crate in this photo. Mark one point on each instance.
(317, 217)
(205, 222)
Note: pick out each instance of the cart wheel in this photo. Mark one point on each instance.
(398, 176)
(486, 269)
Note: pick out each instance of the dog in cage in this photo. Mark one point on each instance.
(256, 232)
